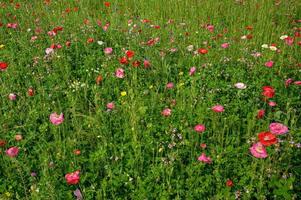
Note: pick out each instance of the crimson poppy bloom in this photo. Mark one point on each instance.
(268, 91)
(229, 183)
(267, 138)
(107, 4)
(202, 51)
(123, 61)
(260, 114)
(3, 66)
(129, 54)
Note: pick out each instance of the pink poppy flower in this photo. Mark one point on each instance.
(12, 25)
(56, 119)
(72, 178)
(225, 45)
(111, 106)
(278, 128)
(166, 112)
(146, 63)
(169, 85)
(218, 108)
(210, 28)
(12, 152)
(258, 150)
(119, 73)
(272, 103)
(289, 41)
(199, 128)
(288, 82)
(269, 64)
(297, 82)
(203, 158)
(192, 71)
(108, 50)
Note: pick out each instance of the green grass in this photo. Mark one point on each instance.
(133, 152)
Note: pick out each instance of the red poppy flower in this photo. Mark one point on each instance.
(3, 66)
(130, 53)
(99, 79)
(123, 61)
(90, 40)
(229, 183)
(203, 51)
(268, 91)
(267, 138)
(2, 143)
(107, 4)
(136, 63)
(30, 92)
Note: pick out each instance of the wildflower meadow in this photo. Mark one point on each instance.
(149, 99)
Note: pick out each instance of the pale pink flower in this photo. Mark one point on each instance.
(240, 86)
(12, 96)
(108, 50)
(12, 152)
(51, 33)
(269, 63)
(49, 51)
(278, 128)
(199, 128)
(56, 119)
(218, 108)
(119, 73)
(203, 158)
(192, 71)
(111, 106)
(166, 112)
(225, 45)
(258, 150)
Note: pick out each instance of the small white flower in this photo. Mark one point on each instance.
(240, 86)
(189, 48)
(265, 46)
(100, 43)
(283, 37)
(272, 48)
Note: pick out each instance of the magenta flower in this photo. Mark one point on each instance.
(218, 108)
(56, 119)
(12, 152)
(203, 158)
(269, 63)
(258, 150)
(278, 128)
(199, 128)
(119, 73)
